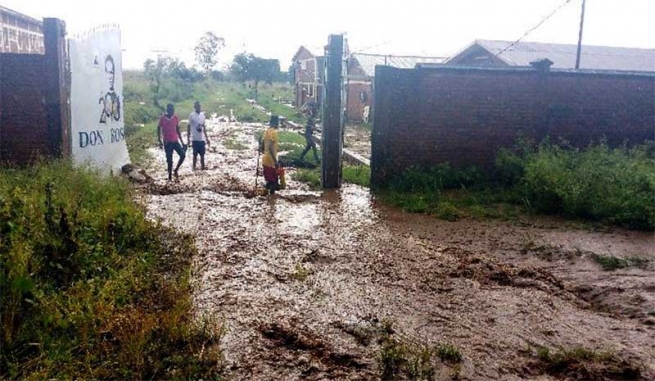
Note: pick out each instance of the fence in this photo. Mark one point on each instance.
(463, 116)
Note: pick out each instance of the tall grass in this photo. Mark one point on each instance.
(599, 183)
(91, 289)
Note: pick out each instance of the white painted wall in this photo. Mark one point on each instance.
(97, 110)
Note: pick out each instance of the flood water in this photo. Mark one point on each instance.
(305, 280)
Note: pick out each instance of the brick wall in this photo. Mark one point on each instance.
(428, 116)
(23, 127)
(356, 106)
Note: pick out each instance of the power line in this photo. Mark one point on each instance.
(534, 27)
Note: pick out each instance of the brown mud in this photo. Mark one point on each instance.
(305, 281)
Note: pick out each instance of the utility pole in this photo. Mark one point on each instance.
(577, 58)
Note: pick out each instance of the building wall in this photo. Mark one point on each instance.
(20, 34)
(23, 127)
(360, 95)
(424, 117)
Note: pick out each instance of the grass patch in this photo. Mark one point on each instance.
(300, 273)
(357, 174)
(398, 361)
(272, 98)
(234, 145)
(611, 263)
(613, 185)
(91, 289)
(311, 177)
(584, 364)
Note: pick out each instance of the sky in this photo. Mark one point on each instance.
(277, 28)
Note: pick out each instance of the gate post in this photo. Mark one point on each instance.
(332, 133)
(57, 87)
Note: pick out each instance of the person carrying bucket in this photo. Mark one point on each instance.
(269, 161)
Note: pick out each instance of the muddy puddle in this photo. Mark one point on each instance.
(309, 283)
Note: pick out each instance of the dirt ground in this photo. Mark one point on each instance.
(311, 284)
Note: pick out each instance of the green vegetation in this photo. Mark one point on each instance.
(611, 263)
(598, 184)
(357, 174)
(584, 364)
(311, 177)
(91, 289)
(235, 145)
(300, 273)
(274, 97)
(397, 360)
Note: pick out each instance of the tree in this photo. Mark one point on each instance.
(155, 71)
(248, 67)
(207, 50)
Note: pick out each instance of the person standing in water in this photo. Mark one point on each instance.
(269, 161)
(197, 135)
(169, 127)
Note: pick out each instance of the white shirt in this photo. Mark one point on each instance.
(196, 122)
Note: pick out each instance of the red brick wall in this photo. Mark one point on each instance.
(23, 116)
(424, 117)
(355, 104)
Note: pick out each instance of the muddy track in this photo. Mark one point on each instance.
(305, 281)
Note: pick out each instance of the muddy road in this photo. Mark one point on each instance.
(335, 286)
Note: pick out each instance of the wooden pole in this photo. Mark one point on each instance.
(577, 57)
(332, 132)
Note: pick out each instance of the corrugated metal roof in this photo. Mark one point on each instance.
(563, 55)
(19, 15)
(368, 62)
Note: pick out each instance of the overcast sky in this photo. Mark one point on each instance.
(276, 28)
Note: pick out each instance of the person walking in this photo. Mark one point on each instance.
(269, 161)
(169, 127)
(197, 135)
(311, 112)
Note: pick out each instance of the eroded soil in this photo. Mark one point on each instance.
(308, 283)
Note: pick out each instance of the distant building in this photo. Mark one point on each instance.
(487, 53)
(20, 33)
(308, 77)
(359, 82)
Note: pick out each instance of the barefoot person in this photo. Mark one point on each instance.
(169, 126)
(197, 135)
(269, 161)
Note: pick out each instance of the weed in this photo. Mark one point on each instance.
(611, 263)
(448, 353)
(615, 185)
(234, 145)
(311, 177)
(447, 211)
(300, 273)
(391, 359)
(583, 363)
(91, 288)
(357, 174)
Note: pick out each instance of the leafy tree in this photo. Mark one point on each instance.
(169, 78)
(207, 50)
(155, 72)
(248, 67)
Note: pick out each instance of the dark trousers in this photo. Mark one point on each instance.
(169, 147)
(310, 145)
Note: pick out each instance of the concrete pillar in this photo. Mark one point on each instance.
(57, 86)
(332, 133)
